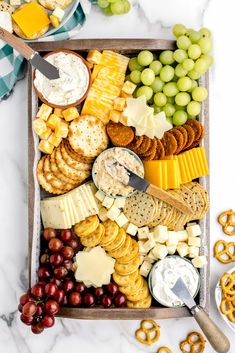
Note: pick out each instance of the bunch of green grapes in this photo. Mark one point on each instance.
(170, 82)
(114, 7)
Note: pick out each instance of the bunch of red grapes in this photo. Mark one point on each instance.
(57, 285)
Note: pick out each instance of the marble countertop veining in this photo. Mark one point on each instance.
(148, 19)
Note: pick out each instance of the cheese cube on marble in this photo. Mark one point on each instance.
(108, 202)
(113, 213)
(182, 249)
(149, 244)
(160, 251)
(194, 231)
(160, 234)
(193, 251)
(59, 13)
(194, 241)
(121, 219)
(172, 238)
(182, 235)
(45, 147)
(39, 126)
(103, 214)
(199, 261)
(100, 195)
(128, 87)
(143, 233)
(120, 202)
(132, 229)
(5, 21)
(171, 249)
(142, 250)
(145, 268)
(119, 104)
(44, 112)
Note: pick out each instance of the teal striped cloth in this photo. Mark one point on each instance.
(12, 64)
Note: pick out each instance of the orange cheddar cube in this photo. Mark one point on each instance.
(39, 126)
(119, 104)
(44, 112)
(53, 121)
(54, 140)
(45, 147)
(45, 134)
(54, 21)
(31, 19)
(128, 87)
(61, 130)
(94, 56)
(58, 112)
(115, 115)
(70, 114)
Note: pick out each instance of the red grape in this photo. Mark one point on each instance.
(24, 298)
(38, 291)
(50, 289)
(59, 295)
(29, 309)
(120, 300)
(73, 243)
(112, 288)
(80, 287)
(37, 328)
(55, 244)
(66, 235)
(60, 272)
(99, 291)
(27, 320)
(51, 307)
(65, 300)
(20, 307)
(55, 281)
(42, 283)
(49, 233)
(67, 252)
(89, 299)
(44, 259)
(43, 273)
(56, 259)
(106, 301)
(39, 311)
(75, 298)
(68, 264)
(48, 321)
(68, 285)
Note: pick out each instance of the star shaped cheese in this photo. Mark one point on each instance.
(94, 267)
(140, 116)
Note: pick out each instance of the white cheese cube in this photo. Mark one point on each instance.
(151, 237)
(125, 226)
(113, 213)
(143, 233)
(191, 224)
(121, 220)
(120, 202)
(59, 13)
(107, 202)
(142, 250)
(149, 244)
(141, 259)
(160, 251)
(160, 234)
(103, 214)
(15, 2)
(27, 0)
(5, 21)
(171, 249)
(182, 235)
(194, 231)
(194, 241)
(100, 195)
(145, 268)
(172, 238)
(151, 256)
(193, 251)
(182, 249)
(149, 259)
(199, 261)
(132, 229)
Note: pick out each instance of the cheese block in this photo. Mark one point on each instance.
(53, 214)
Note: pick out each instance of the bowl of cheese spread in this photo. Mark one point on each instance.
(71, 88)
(164, 275)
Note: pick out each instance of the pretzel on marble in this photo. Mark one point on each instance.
(144, 333)
(197, 345)
(228, 223)
(222, 251)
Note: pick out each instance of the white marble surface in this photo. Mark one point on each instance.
(148, 19)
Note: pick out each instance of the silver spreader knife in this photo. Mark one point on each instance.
(47, 69)
(215, 336)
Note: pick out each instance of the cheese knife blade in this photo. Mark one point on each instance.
(46, 68)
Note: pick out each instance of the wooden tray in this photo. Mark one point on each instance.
(127, 47)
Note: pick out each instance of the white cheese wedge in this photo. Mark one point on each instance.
(194, 241)
(199, 261)
(132, 229)
(53, 214)
(145, 268)
(194, 230)
(113, 213)
(143, 233)
(160, 234)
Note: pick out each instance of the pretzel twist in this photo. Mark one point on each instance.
(192, 345)
(144, 333)
(228, 222)
(223, 253)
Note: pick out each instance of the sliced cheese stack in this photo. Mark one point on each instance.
(176, 170)
(62, 212)
(108, 77)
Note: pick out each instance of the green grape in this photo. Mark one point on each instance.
(199, 94)
(170, 89)
(208, 58)
(175, 78)
(128, 78)
(182, 99)
(145, 57)
(127, 6)
(169, 109)
(156, 66)
(157, 85)
(154, 56)
(193, 75)
(194, 85)
(135, 76)
(200, 66)
(194, 51)
(183, 42)
(194, 108)
(134, 65)
(178, 107)
(180, 55)
(184, 84)
(166, 57)
(160, 99)
(189, 30)
(205, 32)
(107, 11)
(179, 30)
(147, 77)
(144, 91)
(170, 120)
(117, 7)
(112, 1)
(167, 73)
(188, 64)
(157, 110)
(171, 100)
(180, 71)
(205, 45)
(103, 3)
(194, 36)
(180, 117)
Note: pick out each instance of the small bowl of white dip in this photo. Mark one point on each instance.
(164, 275)
(71, 88)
